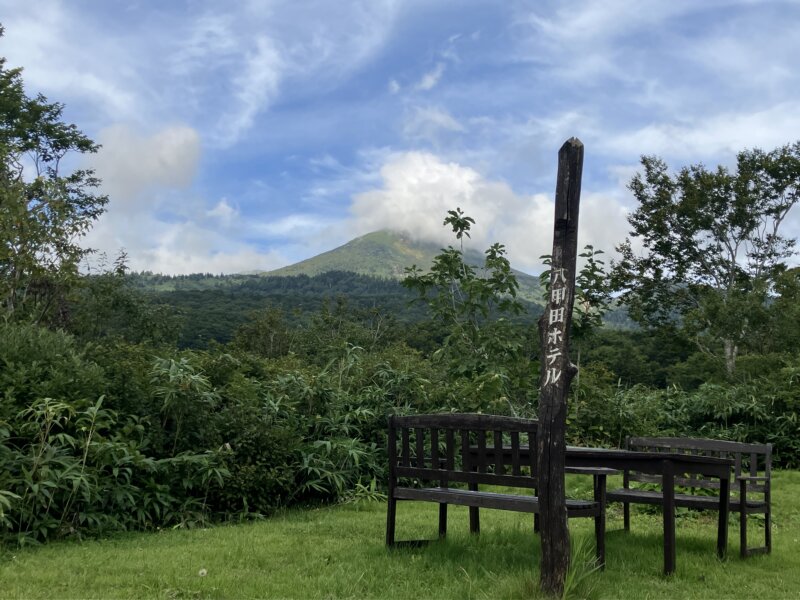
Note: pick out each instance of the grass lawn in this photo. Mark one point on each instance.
(338, 552)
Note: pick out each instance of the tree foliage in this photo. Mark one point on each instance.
(592, 292)
(474, 305)
(712, 246)
(43, 210)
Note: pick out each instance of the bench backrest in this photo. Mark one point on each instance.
(465, 448)
(750, 460)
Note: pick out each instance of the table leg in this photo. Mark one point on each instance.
(600, 520)
(668, 490)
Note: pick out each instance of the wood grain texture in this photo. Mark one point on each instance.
(556, 370)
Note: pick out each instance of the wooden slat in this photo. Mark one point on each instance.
(687, 482)
(683, 500)
(532, 453)
(406, 457)
(460, 476)
(498, 452)
(450, 442)
(392, 453)
(481, 451)
(673, 443)
(419, 434)
(435, 448)
(466, 462)
(467, 421)
(514, 502)
(515, 462)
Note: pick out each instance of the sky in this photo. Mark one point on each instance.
(248, 135)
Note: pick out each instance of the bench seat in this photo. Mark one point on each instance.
(682, 500)
(482, 499)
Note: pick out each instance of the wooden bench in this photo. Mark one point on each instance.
(429, 453)
(752, 466)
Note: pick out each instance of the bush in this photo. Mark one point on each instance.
(74, 466)
(262, 436)
(37, 363)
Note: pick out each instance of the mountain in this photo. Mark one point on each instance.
(366, 270)
(386, 254)
(379, 254)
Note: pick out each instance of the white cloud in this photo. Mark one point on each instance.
(154, 215)
(590, 22)
(210, 40)
(429, 123)
(255, 88)
(419, 188)
(130, 163)
(431, 78)
(339, 40)
(295, 226)
(579, 42)
(223, 211)
(65, 59)
(188, 248)
(719, 137)
(393, 86)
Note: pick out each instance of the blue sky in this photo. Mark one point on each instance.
(249, 135)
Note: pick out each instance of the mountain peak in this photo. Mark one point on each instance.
(386, 254)
(381, 253)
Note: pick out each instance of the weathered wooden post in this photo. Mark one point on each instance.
(556, 371)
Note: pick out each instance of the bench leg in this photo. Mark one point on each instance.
(626, 516)
(474, 520)
(442, 520)
(743, 533)
(768, 530)
(391, 514)
(668, 487)
(743, 519)
(724, 512)
(474, 515)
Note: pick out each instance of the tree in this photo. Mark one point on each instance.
(592, 294)
(266, 333)
(108, 305)
(473, 304)
(711, 247)
(43, 212)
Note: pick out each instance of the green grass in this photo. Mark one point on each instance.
(338, 552)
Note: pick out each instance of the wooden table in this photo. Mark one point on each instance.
(589, 460)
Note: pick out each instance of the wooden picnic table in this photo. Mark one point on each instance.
(667, 465)
(602, 461)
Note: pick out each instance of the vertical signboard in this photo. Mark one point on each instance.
(556, 371)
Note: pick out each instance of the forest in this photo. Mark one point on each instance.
(137, 401)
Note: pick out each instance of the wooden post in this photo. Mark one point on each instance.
(556, 371)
